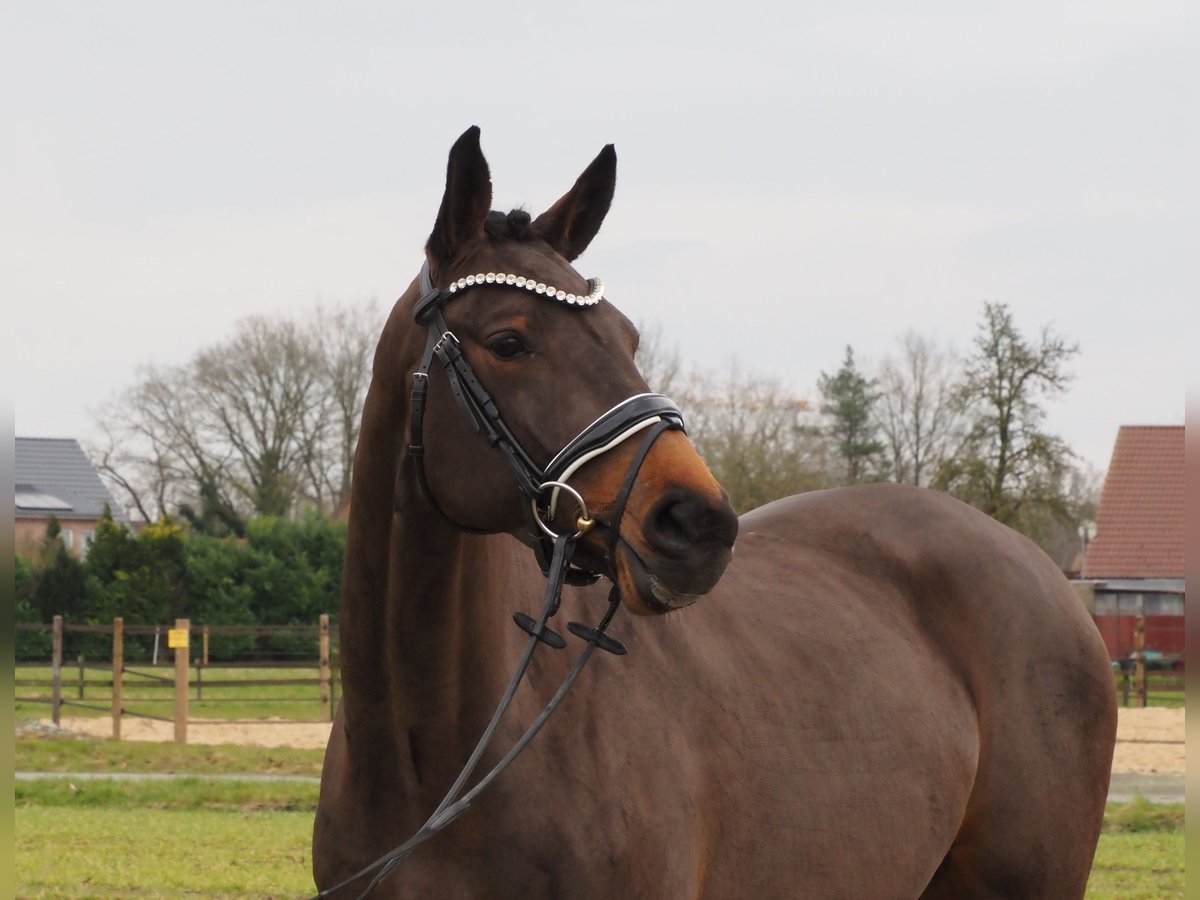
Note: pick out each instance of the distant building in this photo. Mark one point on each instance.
(55, 478)
(1135, 565)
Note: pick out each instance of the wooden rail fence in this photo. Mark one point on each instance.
(180, 682)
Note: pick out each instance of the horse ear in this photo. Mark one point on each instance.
(467, 200)
(571, 223)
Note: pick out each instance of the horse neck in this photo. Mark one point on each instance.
(423, 642)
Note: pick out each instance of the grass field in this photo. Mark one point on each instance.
(1163, 688)
(1138, 867)
(196, 837)
(146, 852)
(229, 693)
(217, 692)
(93, 755)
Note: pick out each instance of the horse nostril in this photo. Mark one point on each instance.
(681, 520)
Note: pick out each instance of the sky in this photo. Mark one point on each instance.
(793, 177)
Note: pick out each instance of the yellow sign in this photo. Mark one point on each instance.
(177, 638)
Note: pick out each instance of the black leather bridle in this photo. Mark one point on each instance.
(648, 414)
(540, 486)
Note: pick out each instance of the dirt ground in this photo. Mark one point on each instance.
(1148, 740)
(261, 733)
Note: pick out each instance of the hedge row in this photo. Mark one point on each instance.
(280, 573)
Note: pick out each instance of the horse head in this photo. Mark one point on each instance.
(552, 356)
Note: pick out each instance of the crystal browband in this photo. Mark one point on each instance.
(532, 285)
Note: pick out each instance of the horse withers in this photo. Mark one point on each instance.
(882, 694)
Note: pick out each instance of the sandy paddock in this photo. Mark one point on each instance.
(1148, 740)
(262, 733)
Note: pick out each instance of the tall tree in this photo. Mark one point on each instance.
(264, 422)
(56, 579)
(1008, 465)
(759, 439)
(262, 400)
(848, 404)
(346, 336)
(916, 410)
(156, 450)
(660, 364)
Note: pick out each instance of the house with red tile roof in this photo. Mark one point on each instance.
(1135, 564)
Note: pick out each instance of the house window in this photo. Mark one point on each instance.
(85, 542)
(1164, 604)
(1149, 603)
(67, 536)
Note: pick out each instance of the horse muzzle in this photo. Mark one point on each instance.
(677, 534)
(685, 544)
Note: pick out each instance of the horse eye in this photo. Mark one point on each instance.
(507, 346)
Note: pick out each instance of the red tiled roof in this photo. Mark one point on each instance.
(1140, 523)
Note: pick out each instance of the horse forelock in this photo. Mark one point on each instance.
(514, 225)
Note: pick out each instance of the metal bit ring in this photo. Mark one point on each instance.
(583, 522)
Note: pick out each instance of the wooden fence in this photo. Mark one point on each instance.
(188, 655)
(1138, 681)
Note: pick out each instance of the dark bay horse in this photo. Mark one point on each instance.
(882, 694)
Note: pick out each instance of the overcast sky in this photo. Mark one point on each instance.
(790, 180)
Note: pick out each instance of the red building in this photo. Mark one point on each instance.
(1135, 564)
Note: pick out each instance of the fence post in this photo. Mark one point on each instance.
(82, 662)
(201, 662)
(178, 641)
(118, 668)
(56, 672)
(1139, 660)
(323, 653)
(335, 672)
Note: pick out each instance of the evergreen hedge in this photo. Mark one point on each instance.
(281, 572)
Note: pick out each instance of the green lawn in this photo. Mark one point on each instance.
(195, 837)
(35, 754)
(1139, 866)
(218, 693)
(69, 848)
(1163, 688)
(111, 852)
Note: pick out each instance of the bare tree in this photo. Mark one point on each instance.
(347, 337)
(1006, 462)
(1060, 529)
(134, 477)
(661, 365)
(156, 449)
(262, 423)
(761, 440)
(261, 396)
(916, 410)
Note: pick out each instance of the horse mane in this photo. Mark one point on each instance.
(515, 225)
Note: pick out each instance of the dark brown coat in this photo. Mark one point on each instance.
(886, 694)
